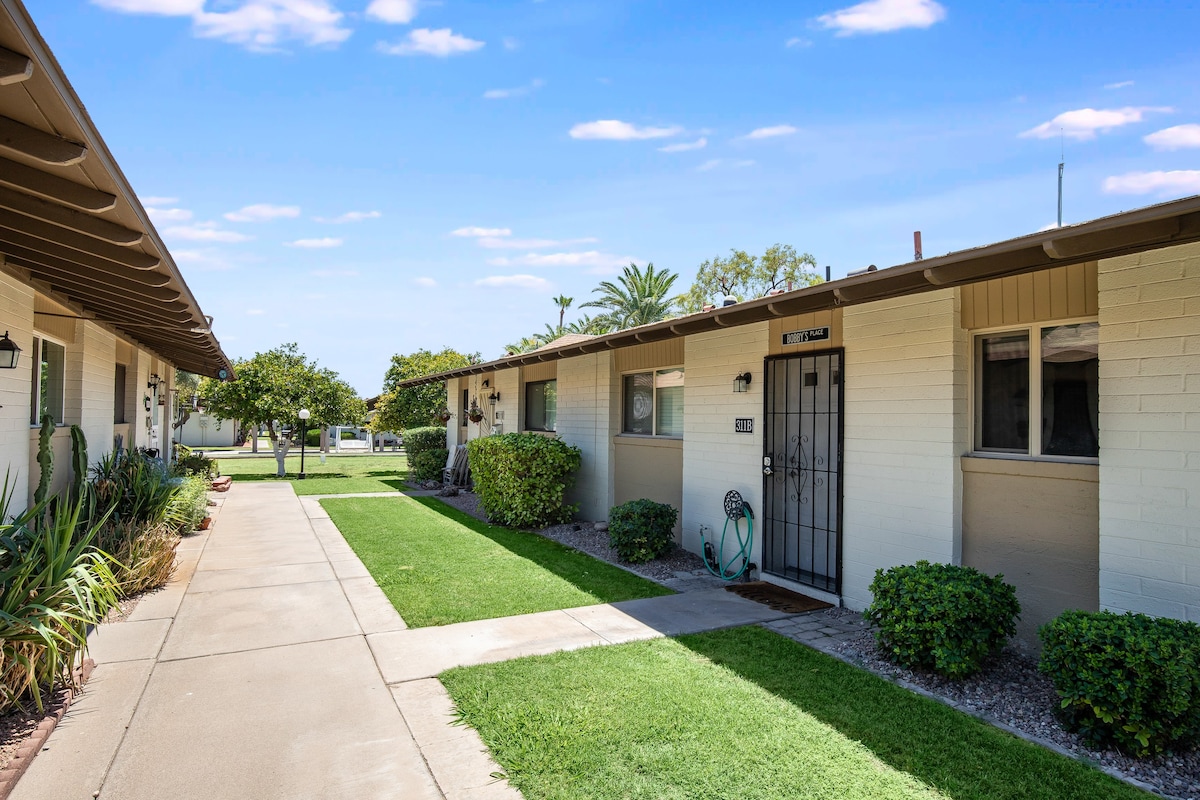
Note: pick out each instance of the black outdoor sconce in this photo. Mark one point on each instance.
(8, 352)
(741, 383)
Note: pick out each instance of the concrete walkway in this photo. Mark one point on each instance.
(273, 666)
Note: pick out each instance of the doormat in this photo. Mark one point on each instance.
(777, 597)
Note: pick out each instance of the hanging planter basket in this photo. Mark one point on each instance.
(475, 413)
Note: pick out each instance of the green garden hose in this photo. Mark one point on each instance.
(735, 510)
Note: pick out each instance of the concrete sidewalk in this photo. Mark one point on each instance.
(273, 666)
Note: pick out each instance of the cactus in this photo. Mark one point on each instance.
(45, 458)
(79, 462)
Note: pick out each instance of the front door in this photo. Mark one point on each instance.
(802, 469)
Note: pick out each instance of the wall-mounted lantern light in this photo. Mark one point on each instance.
(8, 352)
(146, 401)
(494, 398)
(154, 381)
(741, 383)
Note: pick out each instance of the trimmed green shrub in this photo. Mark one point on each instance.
(195, 464)
(1126, 680)
(418, 440)
(522, 478)
(189, 505)
(427, 465)
(312, 437)
(641, 530)
(941, 617)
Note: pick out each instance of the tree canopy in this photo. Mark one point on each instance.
(745, 276)
(416, 406)
(272, 387)
(638, 297)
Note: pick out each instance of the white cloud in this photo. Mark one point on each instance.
(1118, 85)
(204, 232)
(1175, 138)
(1085, 123)
(265, 24)
(397, 12)
(161, 215)
(615, 129)
(423, 41)
(770, 132)
(263, 212)
(428, 283)
(796, 41)
(473, 231)
(883, 16)
(255, 312)
(1175, 182)
(519, 91)
(590, 258)
(256, 24)
(712, 163)
(334, 273)
(159, 201)
(511, 43)
(683, 147)
(497, 243)
(316, 244)
(203, 260)
(171, 8)
(350, 216)
(514, 281)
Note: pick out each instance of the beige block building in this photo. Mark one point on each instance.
(1030, 408)
(92, 306)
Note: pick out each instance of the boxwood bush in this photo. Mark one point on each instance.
(641, 530)
(1126, 680)
(522, 478)
(418, 440)
(941, 617)
(427, 465)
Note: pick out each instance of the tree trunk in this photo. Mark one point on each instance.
(282, 445)
(253, 438)
(324, 438)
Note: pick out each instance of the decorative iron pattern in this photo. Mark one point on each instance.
(802, 487)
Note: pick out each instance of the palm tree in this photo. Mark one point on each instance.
(528, 344)
(640, 298)
(563, 303)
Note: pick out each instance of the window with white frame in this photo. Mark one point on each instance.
(49, 379)
(541, 405)
(653, 403)
(1037, 391)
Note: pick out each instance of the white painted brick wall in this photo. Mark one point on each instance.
(16, 317)
(587, 407)
(906, 424)
(715, 459)
(1150, 433)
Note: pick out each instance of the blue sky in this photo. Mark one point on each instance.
(367, 177)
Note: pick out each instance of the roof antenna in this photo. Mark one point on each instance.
(1062, 160)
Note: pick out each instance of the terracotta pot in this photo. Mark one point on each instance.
(205, 523)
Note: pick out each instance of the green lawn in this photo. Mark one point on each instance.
(340, 474)
(439, 566)
(744, 713)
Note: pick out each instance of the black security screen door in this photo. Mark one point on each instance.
(802, 465)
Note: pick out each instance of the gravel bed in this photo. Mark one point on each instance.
(1010, 690)
(584, 536)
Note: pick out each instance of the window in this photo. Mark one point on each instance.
(541, 405)
(465, 405)
(46, 392)
(1037, 391)
(653, 403)
(119, 395)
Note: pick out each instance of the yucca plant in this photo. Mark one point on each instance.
(188, 506)
(53, 585)
(142, 554)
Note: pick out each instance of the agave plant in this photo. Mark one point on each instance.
(53, 585)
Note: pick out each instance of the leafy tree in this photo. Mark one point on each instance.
(270, 390)
(638, 297)
(745, 276)
(188, 386)
(417, 406)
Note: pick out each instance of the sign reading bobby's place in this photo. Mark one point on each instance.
(808, 335)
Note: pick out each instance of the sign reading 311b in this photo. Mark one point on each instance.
(743, 425)
(805, 336)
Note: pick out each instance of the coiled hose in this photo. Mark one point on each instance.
(735, 510)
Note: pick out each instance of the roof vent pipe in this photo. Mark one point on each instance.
(827, 273)
(871, 268)
(729, 300)
(917, 246)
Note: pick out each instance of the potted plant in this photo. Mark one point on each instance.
(475, 413)
(443, 415)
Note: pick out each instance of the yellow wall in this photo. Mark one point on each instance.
(1059, 293)
(1038, 523)
(651, 468)
(649, 356)
(800, 322)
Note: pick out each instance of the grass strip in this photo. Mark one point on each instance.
(744, 713)
(439, 566)
(340, 474)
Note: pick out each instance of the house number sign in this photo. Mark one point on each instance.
(808, 335)
(743, 425)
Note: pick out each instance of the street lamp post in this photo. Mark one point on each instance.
(303, 439)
